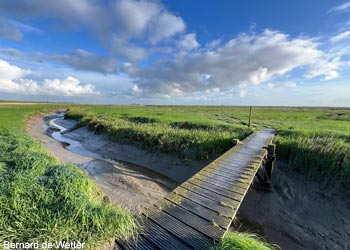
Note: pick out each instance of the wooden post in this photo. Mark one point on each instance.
(250, 116)
(270, 161)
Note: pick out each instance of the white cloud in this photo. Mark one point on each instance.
(213, 44)
(188, 42)
(13, 80)
(166, 25)
(135, 16)
(340, 8)
(116, 24)
(127, 50)
(69, 86)
(340, 37)
(81, 59)
(323, 67)
(246, 59)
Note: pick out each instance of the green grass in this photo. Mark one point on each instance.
(315, 141)
(42, 200)
(179, 134)
(243, 241)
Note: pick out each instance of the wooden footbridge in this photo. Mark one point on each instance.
(197, 213)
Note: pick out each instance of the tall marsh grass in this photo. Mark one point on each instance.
(325, 157)
(185, 140)
(42, 200)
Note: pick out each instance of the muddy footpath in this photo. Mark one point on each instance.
(297, 214)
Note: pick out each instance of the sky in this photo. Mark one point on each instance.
(252, 52)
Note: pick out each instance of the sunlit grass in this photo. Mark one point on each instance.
(243, 241)
(42, 200)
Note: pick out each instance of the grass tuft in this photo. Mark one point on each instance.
(243, 241)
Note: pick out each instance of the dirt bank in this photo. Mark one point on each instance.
(298, 214)
(167, 165)
(132, 187)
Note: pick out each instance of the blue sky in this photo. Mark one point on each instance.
(176, 52)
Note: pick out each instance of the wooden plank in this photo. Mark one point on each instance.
(208, 228)
(224, 192)
(232, 167)
(117, 246)
(214, 205)
(140, 244)
(227, 178)
(187, 234)
(229, 187)
(214, 178)
(211, 195)
(236, 163)
(204, 212)
(247, 169)
(231, 176)
(159, 237)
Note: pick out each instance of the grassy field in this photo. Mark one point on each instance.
(315, 141)
(42, 200)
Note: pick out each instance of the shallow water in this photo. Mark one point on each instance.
(77, 148)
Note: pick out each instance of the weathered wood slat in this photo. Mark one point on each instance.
(234, 177)
(140, 244)
(191, 219)
(230, 169)
(227, 186)
(201, 211)
(224, 192)
(211, 195)
(189, 235)
(159, 237)
(214, 178)
(214, 205)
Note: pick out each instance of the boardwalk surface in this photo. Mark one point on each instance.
(197, 213)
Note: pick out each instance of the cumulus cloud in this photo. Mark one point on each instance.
(246, 59)
(116, 24)
(323, 67)
(81, 59)
(165, 26)
(188, 42)
(13, 80)
(340, 37)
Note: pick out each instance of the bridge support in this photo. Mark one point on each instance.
(265, 181)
